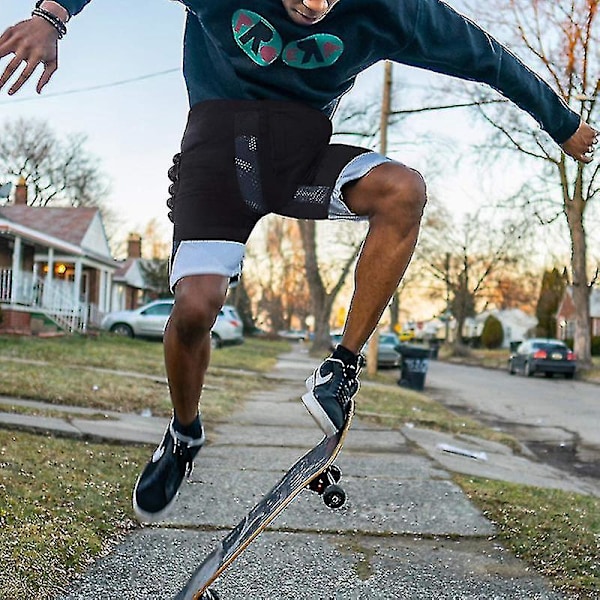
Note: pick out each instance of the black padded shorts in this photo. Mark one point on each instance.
(241, 160)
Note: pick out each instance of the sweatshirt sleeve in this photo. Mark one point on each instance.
(73, 6)
(447, 42)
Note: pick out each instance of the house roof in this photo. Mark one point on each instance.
(594, 301)
(72, 230)
(131, 273)
(68, 224)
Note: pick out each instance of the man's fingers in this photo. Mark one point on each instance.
(23, 77)
(49, 70)
(11, 67)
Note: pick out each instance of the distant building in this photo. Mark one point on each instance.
(565, 316)
(516, 324)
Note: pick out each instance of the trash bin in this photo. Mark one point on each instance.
(415, 362)
(434, 348)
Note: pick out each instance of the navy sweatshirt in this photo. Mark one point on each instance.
(251, 49)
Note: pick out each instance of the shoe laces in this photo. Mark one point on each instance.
(186, 449)
(348, 384)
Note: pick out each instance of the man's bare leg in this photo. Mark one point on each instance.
(187, 351)
(393, 197)
(198, 300)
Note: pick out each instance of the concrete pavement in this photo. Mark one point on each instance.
(406, 532)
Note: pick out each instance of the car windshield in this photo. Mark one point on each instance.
(388, 338)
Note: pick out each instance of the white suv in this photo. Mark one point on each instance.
(228, 328)
(150, 320)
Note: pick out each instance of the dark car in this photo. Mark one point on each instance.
(547, 356)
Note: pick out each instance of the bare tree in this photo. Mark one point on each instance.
(560, 40)
(468, 259)
(325, 281)
(274, 275)
(57, 171)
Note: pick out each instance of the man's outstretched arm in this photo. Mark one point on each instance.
(34, 42)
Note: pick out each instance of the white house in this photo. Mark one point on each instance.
(55, 264)
(515, 324)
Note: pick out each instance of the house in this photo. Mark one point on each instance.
(565, 316)
(55, 266)
(515, 323)
(130, 288)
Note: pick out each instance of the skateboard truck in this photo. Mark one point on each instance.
(326, 485)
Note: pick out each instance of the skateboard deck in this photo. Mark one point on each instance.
(315, 470)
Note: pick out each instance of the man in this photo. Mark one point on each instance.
(263, 78)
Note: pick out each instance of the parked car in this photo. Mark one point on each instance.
(150, 321)
(387, 355)
(546, 356)
(228, 328)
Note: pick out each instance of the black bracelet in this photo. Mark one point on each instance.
(51, 18)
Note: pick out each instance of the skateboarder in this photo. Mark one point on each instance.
(263, 79)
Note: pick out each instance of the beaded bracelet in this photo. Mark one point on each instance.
(51, 18)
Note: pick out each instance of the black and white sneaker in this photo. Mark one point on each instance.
(158, 485)
(330, 389)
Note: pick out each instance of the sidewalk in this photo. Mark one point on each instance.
(406, 532)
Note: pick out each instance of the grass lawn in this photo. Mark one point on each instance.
(556, 532)
(65, 502)
(62, 504)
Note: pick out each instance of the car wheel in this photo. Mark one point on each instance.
(548, 374)
(511, 368)
(122, 329)
(569, 375)
(215, 341)
(528, 370)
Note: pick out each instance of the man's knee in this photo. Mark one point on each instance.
(391, 190)
(198, 300)
(403, 191)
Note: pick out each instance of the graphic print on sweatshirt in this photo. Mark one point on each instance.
(263, 44)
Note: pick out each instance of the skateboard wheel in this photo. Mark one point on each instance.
(334, 496)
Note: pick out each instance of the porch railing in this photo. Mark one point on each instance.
(56, 301)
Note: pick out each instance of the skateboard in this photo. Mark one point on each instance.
(315, 471)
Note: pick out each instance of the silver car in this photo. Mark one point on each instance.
(150, 321)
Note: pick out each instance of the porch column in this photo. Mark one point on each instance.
(109, 291)
(48, 284)
(16, 271)
(77, 283)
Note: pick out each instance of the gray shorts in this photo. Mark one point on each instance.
(242, 160)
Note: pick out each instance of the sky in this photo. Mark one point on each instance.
(135, 128)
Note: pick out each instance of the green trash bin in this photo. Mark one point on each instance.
(415, 362)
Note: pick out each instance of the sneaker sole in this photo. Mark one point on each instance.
(318, 414)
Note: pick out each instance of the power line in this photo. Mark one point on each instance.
(90, 88)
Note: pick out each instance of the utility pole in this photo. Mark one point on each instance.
(386, 109)
(447, 320)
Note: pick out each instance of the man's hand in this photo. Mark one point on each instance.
(581, 144)
(32, 42)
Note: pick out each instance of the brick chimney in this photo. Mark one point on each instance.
(134, 246)
(20, 198)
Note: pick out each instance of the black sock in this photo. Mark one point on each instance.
(346, 356)
(193, 430)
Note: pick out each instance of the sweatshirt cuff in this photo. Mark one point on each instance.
(72, 6)
(567, 128)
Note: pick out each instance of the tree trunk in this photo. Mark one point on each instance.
(574, 210)
(320, 302)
